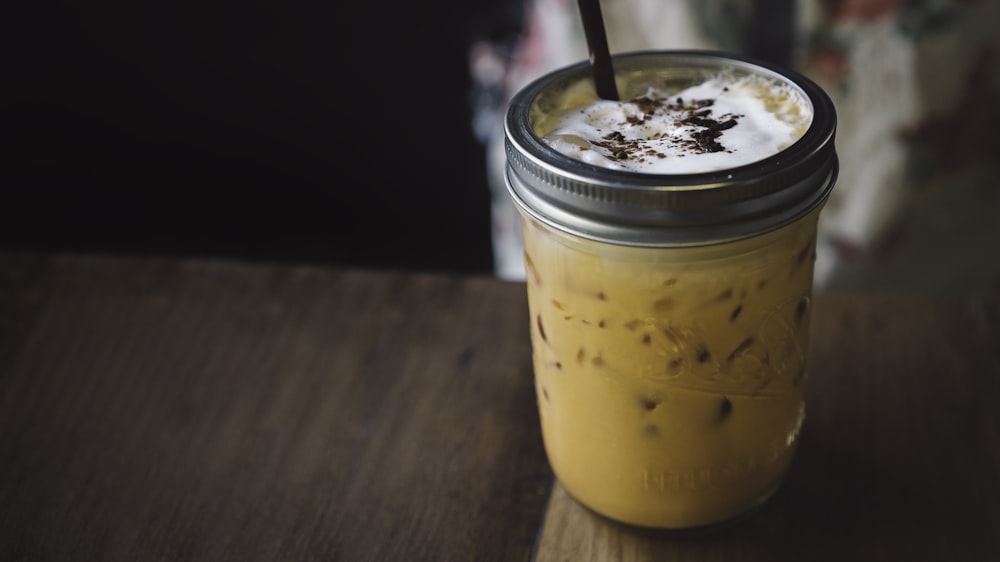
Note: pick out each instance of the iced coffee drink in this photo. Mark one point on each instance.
(669, 246)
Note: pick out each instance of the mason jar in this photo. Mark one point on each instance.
(669, 312)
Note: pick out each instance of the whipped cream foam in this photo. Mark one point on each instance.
(718, 124)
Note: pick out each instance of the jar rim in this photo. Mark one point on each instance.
(640, 208)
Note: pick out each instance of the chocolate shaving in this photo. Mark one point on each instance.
(696, 114)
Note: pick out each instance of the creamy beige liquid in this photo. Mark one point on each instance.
(670, 393)
(670, 380)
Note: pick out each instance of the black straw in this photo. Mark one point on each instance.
(600, 55)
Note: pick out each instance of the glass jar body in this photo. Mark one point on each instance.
(670, 380)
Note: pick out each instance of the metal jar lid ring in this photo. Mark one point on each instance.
(644, 209)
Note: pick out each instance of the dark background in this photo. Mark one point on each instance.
(307, 131)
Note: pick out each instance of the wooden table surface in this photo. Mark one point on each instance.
(157, 409)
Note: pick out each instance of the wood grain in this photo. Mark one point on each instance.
(899, 458)
(202, 410)
(206, 410)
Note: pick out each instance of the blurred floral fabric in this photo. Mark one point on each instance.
(916, 84)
